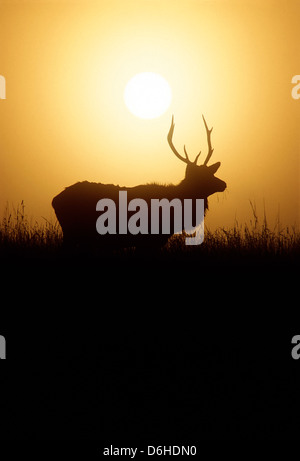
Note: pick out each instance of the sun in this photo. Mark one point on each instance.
(147, 95)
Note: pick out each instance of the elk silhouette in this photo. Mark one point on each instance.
(75, 207)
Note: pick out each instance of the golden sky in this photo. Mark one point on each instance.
(66, 64)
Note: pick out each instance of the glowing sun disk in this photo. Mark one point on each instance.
(147, 95)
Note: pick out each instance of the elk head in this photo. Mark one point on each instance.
(199, 178)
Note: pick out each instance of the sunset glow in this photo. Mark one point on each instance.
(64, 118)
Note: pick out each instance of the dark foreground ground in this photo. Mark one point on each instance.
(145, 350)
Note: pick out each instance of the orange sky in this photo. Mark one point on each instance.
(66, 64)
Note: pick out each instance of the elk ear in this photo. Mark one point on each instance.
(213, 168)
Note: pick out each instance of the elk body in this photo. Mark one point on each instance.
(76, 212)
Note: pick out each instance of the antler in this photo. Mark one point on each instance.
(170, 136)
(210, 150)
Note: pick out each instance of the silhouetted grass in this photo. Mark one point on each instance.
(243, 243)
(20, 236)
